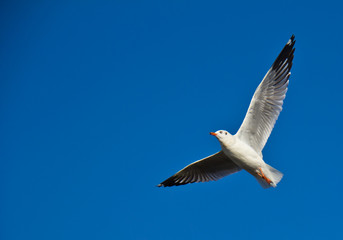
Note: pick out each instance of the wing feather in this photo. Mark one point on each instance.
(266, 104)
(210, 168)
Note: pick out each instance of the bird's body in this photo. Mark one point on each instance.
(245, 157)
(244, 149)
(241, 153)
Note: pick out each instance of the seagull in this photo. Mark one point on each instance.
(244, 149)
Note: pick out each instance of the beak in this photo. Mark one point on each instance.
(213, 134)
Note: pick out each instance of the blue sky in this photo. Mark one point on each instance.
(102, 100)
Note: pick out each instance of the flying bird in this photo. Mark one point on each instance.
(244, 149)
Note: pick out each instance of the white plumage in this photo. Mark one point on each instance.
(244, 150)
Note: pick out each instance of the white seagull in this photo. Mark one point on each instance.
(244, 149)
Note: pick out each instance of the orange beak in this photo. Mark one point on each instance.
(213, 134)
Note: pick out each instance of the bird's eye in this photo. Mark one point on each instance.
(225, 133)
(220, 132)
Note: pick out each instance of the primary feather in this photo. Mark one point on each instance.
(210, 168)
(267, 101)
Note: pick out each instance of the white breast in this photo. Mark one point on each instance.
(242, 154)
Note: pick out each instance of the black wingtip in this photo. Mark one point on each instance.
(172, 181)
(292, 38)
(287, 54)
(291, 41)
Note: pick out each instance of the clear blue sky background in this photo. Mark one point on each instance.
(102, 100)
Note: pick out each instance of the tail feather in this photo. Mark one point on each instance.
(276, 175)
(273, 174)
(263, 182)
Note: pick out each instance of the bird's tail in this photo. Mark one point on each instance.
(271, 173)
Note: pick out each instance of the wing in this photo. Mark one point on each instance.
(211, 168)
(267, 101)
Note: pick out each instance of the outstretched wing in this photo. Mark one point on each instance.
(267, 101)
(211, 168)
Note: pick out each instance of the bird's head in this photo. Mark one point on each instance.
(221, 135)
